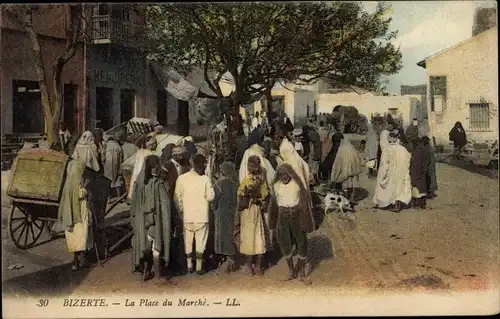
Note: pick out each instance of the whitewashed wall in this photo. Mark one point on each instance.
(472, 74)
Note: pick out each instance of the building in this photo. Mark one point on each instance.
(108, 79)
(302, 101)
(20, 93)
(462, 85)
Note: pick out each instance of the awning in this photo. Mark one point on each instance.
(181, 87)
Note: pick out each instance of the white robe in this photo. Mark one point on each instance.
(384, 139)
(264, 163)
(80, 238)
(290, 156)
(393, 179)
(140, 156)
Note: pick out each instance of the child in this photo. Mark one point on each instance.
(253, 199)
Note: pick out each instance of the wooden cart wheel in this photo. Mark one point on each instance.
(24, 229)
(49, 225)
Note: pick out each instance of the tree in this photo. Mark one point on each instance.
(260, 44)
(50, 89)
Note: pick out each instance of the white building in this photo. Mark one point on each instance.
(462, 85)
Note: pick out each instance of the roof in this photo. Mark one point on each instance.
(422, 63)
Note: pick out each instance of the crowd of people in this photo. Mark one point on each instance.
(260, 202)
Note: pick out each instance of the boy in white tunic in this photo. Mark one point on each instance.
(193, 192)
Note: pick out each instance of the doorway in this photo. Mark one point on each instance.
(104, 102)
(161, 107)
(70, 111)
(127, 104)
(27, 111)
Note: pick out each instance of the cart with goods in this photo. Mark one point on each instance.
(35, 188)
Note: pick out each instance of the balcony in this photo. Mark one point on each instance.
(107, 29)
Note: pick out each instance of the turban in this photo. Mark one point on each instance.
(158, 128)
(120, 135)
(188, 139)
(297, 131)
(179, 150)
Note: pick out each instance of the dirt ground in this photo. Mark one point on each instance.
(453, 245)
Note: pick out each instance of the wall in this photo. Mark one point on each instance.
(302, 100)
(366, 104)
(16, 63)
(472, 73)
(49, 21)
(118, 69)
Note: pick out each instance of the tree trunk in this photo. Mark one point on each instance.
(42, 79)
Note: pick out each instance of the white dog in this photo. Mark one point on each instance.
(340, 202)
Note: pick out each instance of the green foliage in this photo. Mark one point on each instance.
(262, 43)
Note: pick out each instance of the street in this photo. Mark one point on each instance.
(451, 246)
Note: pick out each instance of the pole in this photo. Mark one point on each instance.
(83, 114)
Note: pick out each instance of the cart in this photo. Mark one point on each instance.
(35, 188)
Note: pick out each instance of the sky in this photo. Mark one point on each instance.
(425, 28)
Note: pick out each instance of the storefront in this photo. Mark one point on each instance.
(121, 86)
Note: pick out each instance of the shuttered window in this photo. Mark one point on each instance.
(479, 117)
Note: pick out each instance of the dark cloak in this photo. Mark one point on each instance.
(225, 207)
(150, 212)
(327, 164)
(419, 167)
(458, 137)
(431, 172)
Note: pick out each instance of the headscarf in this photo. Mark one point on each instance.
(228, 170)
(86, 151)
(290, 156)
(87, 138)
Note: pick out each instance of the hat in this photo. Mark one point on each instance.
(188, 138)
(179, 150)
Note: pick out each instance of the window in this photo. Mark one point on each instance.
(438, 93)
(479, 117)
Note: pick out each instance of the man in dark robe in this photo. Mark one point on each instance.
(432, 185)
(224, 208)
(327, 164)
(150, 212)
(411, 135)
(175, 167)
(419, 169)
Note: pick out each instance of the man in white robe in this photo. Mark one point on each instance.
(140, 156)
(393, 189)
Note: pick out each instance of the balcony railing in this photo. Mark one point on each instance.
(107, 29)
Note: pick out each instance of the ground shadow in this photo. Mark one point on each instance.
(359, 194)
(320, 248)
(54, 281)
(318, 210)
(469, 166)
